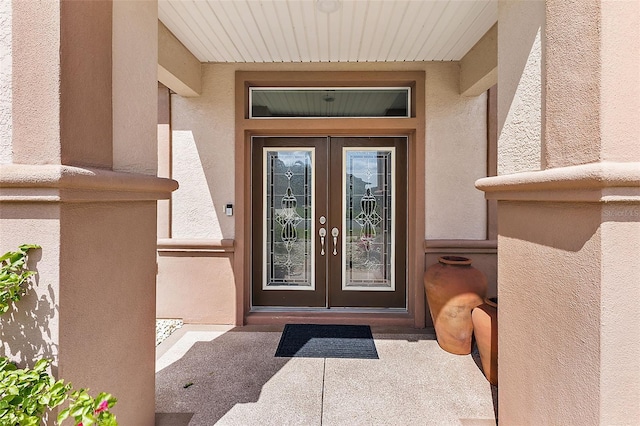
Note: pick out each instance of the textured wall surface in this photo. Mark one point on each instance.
(456, 153)
(549, 326)
(135, 96)
(5, 82)
(203, 140)
(520, 90)
(31, 331)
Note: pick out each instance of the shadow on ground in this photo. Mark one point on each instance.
(213, 377)
(235, 379)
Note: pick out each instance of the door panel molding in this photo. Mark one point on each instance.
(396, 298)
(285, 295)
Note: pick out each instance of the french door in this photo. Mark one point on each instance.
(329, 222)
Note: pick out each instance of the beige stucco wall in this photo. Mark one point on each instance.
(135, 57)
(178, 69)
(520, 85)
(36, 83)
(5, 82)
(195, 281)
(93, 309)
(479, 66)
(621, 27)
(620, 317)
(456, 151)
(203, 141)
(31, 331)
(540, 289)
(105, 300)
(569, 235)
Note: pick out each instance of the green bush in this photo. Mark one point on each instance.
(14, 276)
(27, 394)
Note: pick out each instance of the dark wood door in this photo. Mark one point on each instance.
(329, 221)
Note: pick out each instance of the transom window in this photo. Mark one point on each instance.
(329, 102)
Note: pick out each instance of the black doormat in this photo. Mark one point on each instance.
(327, 341)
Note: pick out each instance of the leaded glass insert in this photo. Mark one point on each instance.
(368, 222)
(289, 227)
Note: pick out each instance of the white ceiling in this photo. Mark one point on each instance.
(298, 31)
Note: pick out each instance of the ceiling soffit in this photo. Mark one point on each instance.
(311, 31)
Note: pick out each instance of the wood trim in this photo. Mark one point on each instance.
(413, 128)
(388, 319)
(492, 158)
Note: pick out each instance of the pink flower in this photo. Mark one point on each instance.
(104, 405)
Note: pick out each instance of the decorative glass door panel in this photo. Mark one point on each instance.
(329, 222)
(368, 222)
(289, 227)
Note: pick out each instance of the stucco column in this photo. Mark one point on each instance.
(569, 233)
(81, 182)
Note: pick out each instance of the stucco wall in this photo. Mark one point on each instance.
(135, 47)
(5, 82)
(106, 302)
(203, 150)
(548, 311)
(456, 153)
(31, 330)
(520, 86)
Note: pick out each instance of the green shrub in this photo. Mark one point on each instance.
(27, 394)
(14, 276)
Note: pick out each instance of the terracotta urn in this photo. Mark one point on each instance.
(485, 328)
(454, 288)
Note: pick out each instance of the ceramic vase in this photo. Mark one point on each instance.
(454, 288)
(485, 328)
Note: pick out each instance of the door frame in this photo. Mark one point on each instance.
(413, 128)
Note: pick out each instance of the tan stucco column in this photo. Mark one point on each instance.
(81, 181)
(569, 234)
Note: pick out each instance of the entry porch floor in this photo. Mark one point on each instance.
(215, 375)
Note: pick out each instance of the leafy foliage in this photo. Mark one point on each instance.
(27, 394)
(14, 275)
(86, 410)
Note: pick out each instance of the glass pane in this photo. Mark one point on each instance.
(368, 196)
(288, 237)
(329, 102)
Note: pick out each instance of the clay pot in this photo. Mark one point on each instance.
(485, 328)
(454, 288)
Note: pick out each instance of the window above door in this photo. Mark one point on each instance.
(329, 102)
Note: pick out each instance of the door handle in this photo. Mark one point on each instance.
(323, 233)
(334, 233)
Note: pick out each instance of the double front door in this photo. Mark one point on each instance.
(329, 221)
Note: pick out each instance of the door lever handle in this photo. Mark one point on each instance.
(334, 233)
(323, 233)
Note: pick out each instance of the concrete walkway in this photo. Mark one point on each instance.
(208, 375)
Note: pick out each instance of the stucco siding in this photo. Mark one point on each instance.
(134, 59)
(5, 82)
(203, 150)
(456, 153)
(520, 86)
